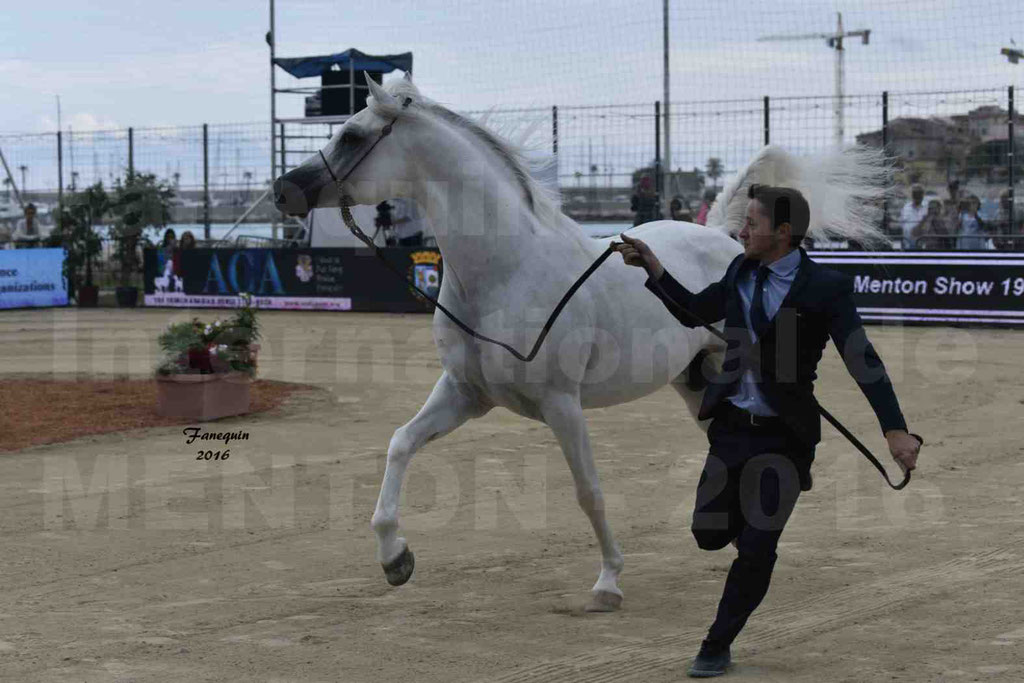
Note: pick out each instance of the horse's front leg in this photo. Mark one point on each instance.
(446, 408)
(564, 415)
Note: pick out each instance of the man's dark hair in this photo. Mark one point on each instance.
(785, 205)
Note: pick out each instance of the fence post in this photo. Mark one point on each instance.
(1013, 161)
(767, 127)
(657, 150)
(554, 130)
(60, 180)
(885, 150)
(206, 182)
(131, 152)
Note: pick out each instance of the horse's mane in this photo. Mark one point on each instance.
(845, 190)
(540, 198)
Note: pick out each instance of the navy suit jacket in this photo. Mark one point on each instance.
(785, 358)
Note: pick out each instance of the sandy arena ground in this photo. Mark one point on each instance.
(123, 558)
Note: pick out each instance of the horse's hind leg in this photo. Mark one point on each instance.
(446, 408)
(564, 415)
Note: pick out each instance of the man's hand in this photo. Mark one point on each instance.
(636, 253)
(904, 448)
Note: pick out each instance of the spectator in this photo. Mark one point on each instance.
(27, 229)
(679, 210)
(407, 223)
(705, 206)
(912, 215)
(645, 202)
(188, 240)
(971, 231)
(166, 251)
(932, 232)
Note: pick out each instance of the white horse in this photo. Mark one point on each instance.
(509, 254)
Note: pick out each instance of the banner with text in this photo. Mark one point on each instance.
(342, 279)
(934, 287)
(32, 278)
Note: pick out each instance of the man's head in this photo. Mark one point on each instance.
(917, 194)
(776, 222)
(30, 210)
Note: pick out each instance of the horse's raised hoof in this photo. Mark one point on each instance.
(603, 601)
(400, 569)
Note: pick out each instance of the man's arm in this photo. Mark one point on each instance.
(708, 305)
(862, 362)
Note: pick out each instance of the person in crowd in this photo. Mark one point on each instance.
(407, 223)
(27, 229)
(645, 202)
(188, 240)
(165, 253)
(705, 206)
(951, 206)
(972, 232)
(679, 210)
(932, 232)
(912, 215)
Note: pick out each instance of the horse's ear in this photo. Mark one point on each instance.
(379, 94)
(408, 76)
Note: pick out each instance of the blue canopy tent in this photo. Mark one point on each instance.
(349, 60)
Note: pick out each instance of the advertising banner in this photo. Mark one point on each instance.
(32, 278)
(341, 279)
(984, 287)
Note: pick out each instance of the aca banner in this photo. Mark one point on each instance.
(984, 287)
(338, 279)
(32, 278)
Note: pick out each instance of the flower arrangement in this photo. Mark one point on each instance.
(220, 346)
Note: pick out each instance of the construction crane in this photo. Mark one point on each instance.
(835, 41)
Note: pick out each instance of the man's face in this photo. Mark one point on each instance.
(917, 195)
(757, 236)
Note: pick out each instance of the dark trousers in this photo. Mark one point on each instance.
(747, 491)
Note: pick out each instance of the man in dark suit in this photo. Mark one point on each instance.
(779, 308)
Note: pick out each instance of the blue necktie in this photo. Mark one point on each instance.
(758, 318)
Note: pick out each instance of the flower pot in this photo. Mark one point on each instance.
(88, 296)
(127, 297)
(203, 397)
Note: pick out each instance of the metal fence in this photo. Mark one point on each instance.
(218, 170)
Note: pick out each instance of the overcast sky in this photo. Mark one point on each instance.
(123, 62)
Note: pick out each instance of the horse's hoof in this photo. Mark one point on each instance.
(400, 569)
(603, 601)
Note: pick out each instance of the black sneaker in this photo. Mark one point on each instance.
(709, 663)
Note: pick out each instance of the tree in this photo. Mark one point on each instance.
(714, 170)
(75, 232)
(139, 203)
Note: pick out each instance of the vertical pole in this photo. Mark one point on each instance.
(284, 165)
(131, 152)
(668, 135)
(767, 128)
(657, 147)
(1013, 162)
(60, 179)
(885, 150)
(351, 87)
(271, 40)
(206, 182)
(554, 130)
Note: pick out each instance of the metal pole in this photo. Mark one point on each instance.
(657, 147)
(668, 132)
(1012, 160)
(271, 40)
(206, 182)
(60, 179)
(131, 152)
(17, 195)
(351, 86)
(554, 130)
(767, 128)
(885, 150)
(284, 165)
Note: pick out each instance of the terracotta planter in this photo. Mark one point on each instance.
(203, 397)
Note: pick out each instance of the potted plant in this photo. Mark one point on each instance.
(208, 367)
(140, 202)
(75, 233)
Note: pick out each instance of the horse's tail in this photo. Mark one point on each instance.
(845, 189)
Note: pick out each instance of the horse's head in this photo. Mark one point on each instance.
(366, 175)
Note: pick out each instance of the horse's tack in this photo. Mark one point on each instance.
(346, 215)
